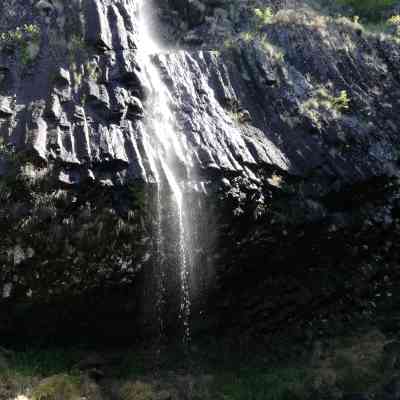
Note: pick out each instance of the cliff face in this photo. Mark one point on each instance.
(291, 131)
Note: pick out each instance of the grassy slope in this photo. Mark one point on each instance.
(346, 364)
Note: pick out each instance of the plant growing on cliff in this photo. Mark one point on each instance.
(247, 36)
(92, 70)
(263, 16)
(395, 22)
(341, 102)
(88, 228)
(322, 102)
(25, 39)
(324, 99)
(77, 47)
(368, 9)
(20, 34)
(32, 30)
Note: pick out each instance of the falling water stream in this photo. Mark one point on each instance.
(165, 153)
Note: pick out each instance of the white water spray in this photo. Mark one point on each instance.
(169, 152)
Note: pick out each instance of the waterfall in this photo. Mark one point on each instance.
(168, 157)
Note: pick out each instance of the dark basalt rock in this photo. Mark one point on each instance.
(298, 183)
(67, 122)
(356, 396)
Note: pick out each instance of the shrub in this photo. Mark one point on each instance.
(58, 387)
(369, 9)
(341, 102)
(254, 384)
(263, 15)
(395, 21)
(26, 39)
(21, 34)
(137, 391)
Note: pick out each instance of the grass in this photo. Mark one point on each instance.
(359, 363)
(133, 364)
(260, 384)
(43, 362)
(137, 391)
(371, 10)
(345, 364)
(394, 21)
(26, 39)
(58, 387)
(263, 15)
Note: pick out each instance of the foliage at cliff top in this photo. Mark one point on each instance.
(369, 9)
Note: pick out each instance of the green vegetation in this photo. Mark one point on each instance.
(92, 70)
(272, 384)
(248, 36)
(77, 47)
(24, 369)
(348, 364)
(213, 372)
(137, 391)
(133, 364)
(395, 21)
(58, 387)
(322, 98)
(367, 15)
(25, 40)
(369, 9)
(20, 34)
(77, 42)
(341, 102)
(43, 362)
(77, 73)
(263, 16)
(323, 101)
(88, 237)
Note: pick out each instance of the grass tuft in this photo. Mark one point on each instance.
(137, 391)
(58, 387)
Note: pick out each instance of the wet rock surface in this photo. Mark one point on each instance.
(236, 109)
(294, 139)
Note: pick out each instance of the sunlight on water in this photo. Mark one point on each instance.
(185, 307)
(148, 42)
(163, 147)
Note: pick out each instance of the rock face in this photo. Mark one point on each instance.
(78, 97)
(295, 129)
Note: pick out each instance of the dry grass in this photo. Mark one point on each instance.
(137, 391)
(351, 364)
(58, 387)
(13, 384)
(345, 364)
(301, 17)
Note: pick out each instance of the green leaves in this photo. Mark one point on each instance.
(342, 102)
(263, 15)
(369, 9)
(21, 34)
(395, 22)
(25, 39)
